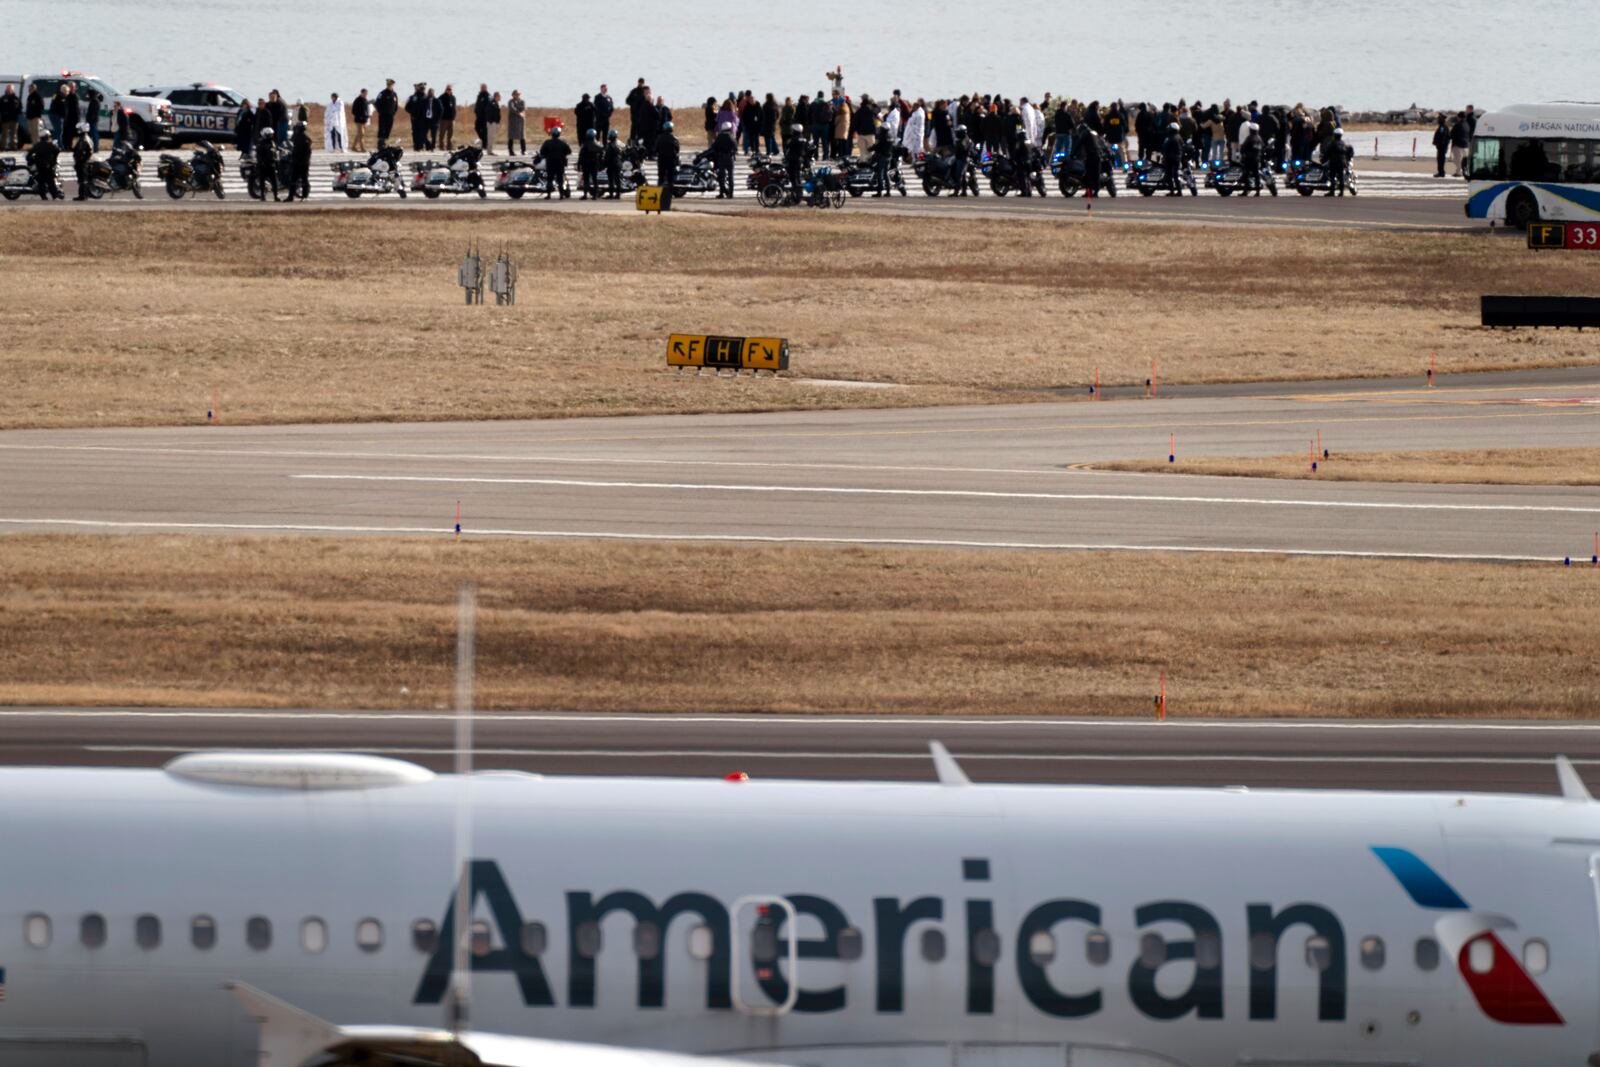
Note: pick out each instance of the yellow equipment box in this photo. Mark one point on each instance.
(648, 198)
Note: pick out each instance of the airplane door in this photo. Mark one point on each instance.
(766, 955)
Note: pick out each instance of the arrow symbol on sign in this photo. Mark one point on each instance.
(677, 348)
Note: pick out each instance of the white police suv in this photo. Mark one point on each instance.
(201, 111)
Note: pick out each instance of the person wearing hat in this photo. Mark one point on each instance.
(1172, 159)
(1250, 153)
(299, 163)
(387, 106)
(589, 158)
(42, 158)
(613, 158)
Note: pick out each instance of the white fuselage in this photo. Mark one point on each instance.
(1131, 927)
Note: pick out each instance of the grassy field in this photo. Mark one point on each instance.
(369, 623)
(139, 317)
(1484, 466)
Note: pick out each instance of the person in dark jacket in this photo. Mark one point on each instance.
(299, 163)
(821, 124)
(361, 115)
(590, 155)
(480, 116)
(1441, 146)
(750, 124)
(1271, 130)
(769, 123)
(965, 154)
(555, 152)
(244, 130)
(1172, 160)
(796, 158)
(883, 150)
(58, 111)
(1086, 143)
(278, 109)
(1026, 158)
(641, 116)
(1460, 138)
(33, 113)
(943, 129)
(387, 106)
(92, 101)
(72, 110)
(666, 152)
(1144, 128)
(648, 123)
(1336, 156)
(267, 160)
(42, 158)
(604, 108)
(416, 107)
(82, 153)
(10, 118)
(724, 149)
(586, 115)
(613, 158)
(1251, 150)
(447, 119)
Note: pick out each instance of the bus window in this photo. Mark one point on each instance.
(1485, 163)
(1530, 162)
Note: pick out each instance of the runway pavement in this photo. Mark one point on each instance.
(1473, 756)
(1390, 199)
(1002, 476)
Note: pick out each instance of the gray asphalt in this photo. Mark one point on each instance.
(995, 476)
(1486, 756)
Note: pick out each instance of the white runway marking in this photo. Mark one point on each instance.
(581, 483)
(918, 756)
(892, 542)
(931, 725)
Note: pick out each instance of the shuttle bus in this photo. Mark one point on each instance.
(1535, 162)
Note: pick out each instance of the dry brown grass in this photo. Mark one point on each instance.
(1481, 466)
(292, 622)
(137, 317)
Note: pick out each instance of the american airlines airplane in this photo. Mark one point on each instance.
(234, 910)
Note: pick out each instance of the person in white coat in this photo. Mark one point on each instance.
(1032, 123)
(334, 138)
(893, 121)
(914, 136)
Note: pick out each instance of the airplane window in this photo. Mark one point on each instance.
(92, 931)
(1263, 951)
(258, 934)
(1152, 951)
(533, 939)
(1372, 953)
(1097, 946)
(1319, 954)
(647, 941)
(1042, 947)
(369, 935)
(701, 942)
(850, 943)
(313, 935)
(482, 942)
(1536, 956)
(1480, 957)
(1427, 952)
(1207, 949)
(764, 942)
(147, 931)
(587, 939)
(425, 936)
(37, 930)
(933, 945)
(985, 948)
(203, 932)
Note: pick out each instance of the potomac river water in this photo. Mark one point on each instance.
(1363, 54)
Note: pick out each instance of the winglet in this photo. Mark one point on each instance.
(289, 1036)
(1572, 787)
(945, 765)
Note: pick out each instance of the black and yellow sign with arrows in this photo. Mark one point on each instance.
(728, 353)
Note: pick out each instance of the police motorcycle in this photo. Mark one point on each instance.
(1306, 178)
(1150, 177)
(17, 178)
(632, 171)
(200, 172)
(859, 174)
(1229, 178)
(938, 173)
(378, 175)
(118, 172)
(519, 176)
(1005, 176)
(250, 168)
(1070, 172)
(456, 175)
(699, 175)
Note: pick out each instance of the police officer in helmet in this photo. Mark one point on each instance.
(613, 158)
(797, 155)
(299, 163)
(1172, 159)
(589, 155)
(883, 149)
(42, 157)
(961, 163)
(1336, 157)
(267, 161)
(666, 163)
(1250, 150)
(82, 153)
(723, 150)
(554, 152)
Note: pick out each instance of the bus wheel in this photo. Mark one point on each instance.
(1522, 210)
